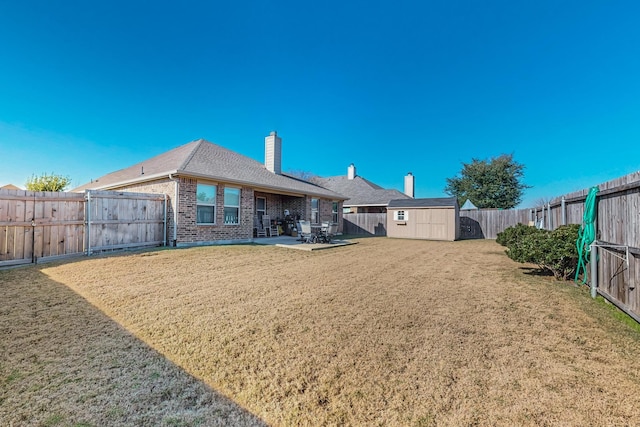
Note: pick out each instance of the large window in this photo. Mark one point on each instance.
(315, 211)
(231, 205)
(334, 212)
(206, 204)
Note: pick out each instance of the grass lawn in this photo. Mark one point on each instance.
(385, 332)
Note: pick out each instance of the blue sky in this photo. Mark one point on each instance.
(87, 88)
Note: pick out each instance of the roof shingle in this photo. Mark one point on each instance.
(203, 159)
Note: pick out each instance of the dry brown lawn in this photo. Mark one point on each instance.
(385, 332)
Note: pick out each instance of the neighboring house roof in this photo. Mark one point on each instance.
(203, 159)
(437, 202)
(9, 187)
(360, 191)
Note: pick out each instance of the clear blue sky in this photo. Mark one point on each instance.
(87, 88)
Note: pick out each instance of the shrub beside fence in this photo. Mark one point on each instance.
(43, 226)
(617, 233)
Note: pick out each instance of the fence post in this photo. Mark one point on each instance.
(88, 227)
(563, 206)
(164, 223)
(594, 269)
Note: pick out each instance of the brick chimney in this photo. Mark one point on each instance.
(351, 171)
(409, 185)
(273, 153)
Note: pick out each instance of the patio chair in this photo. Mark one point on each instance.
(259, 226)
(271, 229)
(305, 232)
(328, 232)
(274, 229)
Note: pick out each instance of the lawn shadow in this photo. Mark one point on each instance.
(64, 362)
(535, 271)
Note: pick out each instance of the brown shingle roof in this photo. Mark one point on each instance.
(203, 159)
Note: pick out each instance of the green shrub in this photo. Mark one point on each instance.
(552, 251)
(514, 234)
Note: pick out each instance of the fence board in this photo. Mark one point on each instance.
(122, 221)
(368, 224)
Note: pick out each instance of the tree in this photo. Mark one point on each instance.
(493, 183)
(48, 182)
(304, 175)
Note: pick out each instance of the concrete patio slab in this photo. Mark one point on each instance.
(294, 243)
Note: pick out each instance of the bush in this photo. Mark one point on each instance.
(552, 251)
(514, 234)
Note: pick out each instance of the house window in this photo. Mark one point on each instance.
(231, 205)
(400, 215)
(261, 207)
(334, 212)
(315, 211)
(206, 204)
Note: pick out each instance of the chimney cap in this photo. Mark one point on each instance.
(273, 133)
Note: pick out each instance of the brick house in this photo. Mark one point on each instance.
(217, 195)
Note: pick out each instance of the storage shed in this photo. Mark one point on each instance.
(430, 219)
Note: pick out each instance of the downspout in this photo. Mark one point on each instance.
(175, 210)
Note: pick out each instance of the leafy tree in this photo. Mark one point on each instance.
(48, 182)
(493, 183)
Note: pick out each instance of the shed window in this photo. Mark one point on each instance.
(231, 205)
(400, 215)
(206, 204)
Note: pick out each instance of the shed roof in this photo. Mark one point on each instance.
(360, 191)
(203, 159)
(438, 202)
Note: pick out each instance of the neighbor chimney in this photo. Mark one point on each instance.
(409, 185)
(351, 171)
(273, 153)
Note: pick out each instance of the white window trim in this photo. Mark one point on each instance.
(264, 211)
(316, 211)
(225, 205)
(199, 203)
(396, 215)
(334, 214)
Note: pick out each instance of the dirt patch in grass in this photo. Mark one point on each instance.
(386, 332)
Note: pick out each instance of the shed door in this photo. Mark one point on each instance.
(431, 224)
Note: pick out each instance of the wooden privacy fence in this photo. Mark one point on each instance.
(367, 224)
(617, 233)
(49, 225)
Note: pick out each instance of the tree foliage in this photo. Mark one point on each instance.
(304, 175)
(493, 183)
(48, 182)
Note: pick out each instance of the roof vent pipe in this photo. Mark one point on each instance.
(351, 171)
(409, 185)
(273, 153)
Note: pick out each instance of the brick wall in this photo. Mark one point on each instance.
(191, 232)
(188, 231)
